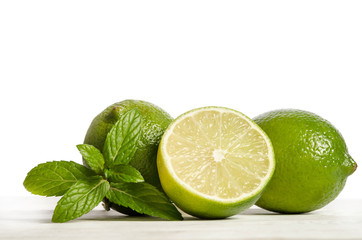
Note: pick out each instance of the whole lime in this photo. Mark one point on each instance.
(155, 121)
(312, 161)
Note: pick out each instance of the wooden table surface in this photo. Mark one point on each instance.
(29, 218)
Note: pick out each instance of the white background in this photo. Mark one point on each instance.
(63, 62)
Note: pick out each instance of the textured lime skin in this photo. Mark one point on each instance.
(195, 204)
(155, 122)
(312, 161)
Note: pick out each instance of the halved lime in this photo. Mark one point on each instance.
(214, 162)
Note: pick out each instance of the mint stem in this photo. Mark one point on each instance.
(106, 204)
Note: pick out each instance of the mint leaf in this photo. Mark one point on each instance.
(55, 178)
(143, 198)
(122, 140)
(123, 173)
(93, 157)
(82, 197)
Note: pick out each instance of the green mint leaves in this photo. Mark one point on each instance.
(93, 157)
(55, 178)
(110, 176)
(143, 198)
(82, 197)
(123, 173)
(121, 140)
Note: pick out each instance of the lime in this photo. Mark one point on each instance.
(214, 162)
(155, 122)
(312, 161)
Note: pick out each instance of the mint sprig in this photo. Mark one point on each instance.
(110, 176)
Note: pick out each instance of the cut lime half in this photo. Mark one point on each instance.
(214, 162)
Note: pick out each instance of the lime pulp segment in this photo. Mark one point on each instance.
(218, 153)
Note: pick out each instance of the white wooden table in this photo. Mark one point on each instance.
(30, 218)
